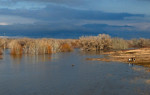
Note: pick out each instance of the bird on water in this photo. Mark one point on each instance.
(73, 65)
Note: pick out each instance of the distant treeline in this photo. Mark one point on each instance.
(87, 43)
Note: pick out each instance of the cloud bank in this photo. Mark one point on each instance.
(93, 16)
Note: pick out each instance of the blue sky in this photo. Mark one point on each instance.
(75, 15)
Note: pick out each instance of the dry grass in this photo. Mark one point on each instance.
(75, 43)
(38, 46)
(96, 43)
(142, 56)
(3, 42)
(105, 42)
(140, 43)
(118, 43)
(15, 48)
(1, 52)
(66, 48)
(102, 42)
(99, 43)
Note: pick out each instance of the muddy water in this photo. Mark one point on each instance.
(55, 75)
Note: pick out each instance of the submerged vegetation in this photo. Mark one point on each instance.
(102, 42)
(37, 46)
(117, 49)
(66, 48)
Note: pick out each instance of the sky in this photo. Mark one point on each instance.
(75, 16)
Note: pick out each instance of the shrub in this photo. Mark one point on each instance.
(118, 43)
(139, 43)
(96, 43)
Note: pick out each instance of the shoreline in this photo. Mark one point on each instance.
(101, 42)
(141, 56)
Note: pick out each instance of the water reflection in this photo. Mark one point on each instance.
(31, 77)
(147, 81)
(130, 64)
(30, 58)
(16, 58)
(139, 80)
(1, 57)
(37, 58)
(140, 68)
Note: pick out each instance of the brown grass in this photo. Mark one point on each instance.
(102, 42)
(40, 46)
(118, 43)
(75, 44)
(142, 56)
(37, 47)
(1, 53)
(66, 48)
(99, 43)
(140, 43)
(3, 43)
(15, 48)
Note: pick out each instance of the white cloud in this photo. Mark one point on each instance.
(15, 20)
(3, 23)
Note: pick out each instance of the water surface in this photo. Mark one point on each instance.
(55, 75)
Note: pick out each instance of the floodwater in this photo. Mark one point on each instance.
(55, 75)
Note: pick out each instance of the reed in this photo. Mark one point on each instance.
(15, 48)
(55, 44)
(65, 47)
(75, 43)
(33, 46)
(118, 43)
(86, 43)
(37, 47)
(4, 42)
(1, 52)
(1, 56)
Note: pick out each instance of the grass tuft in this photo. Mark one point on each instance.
(66, 48)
